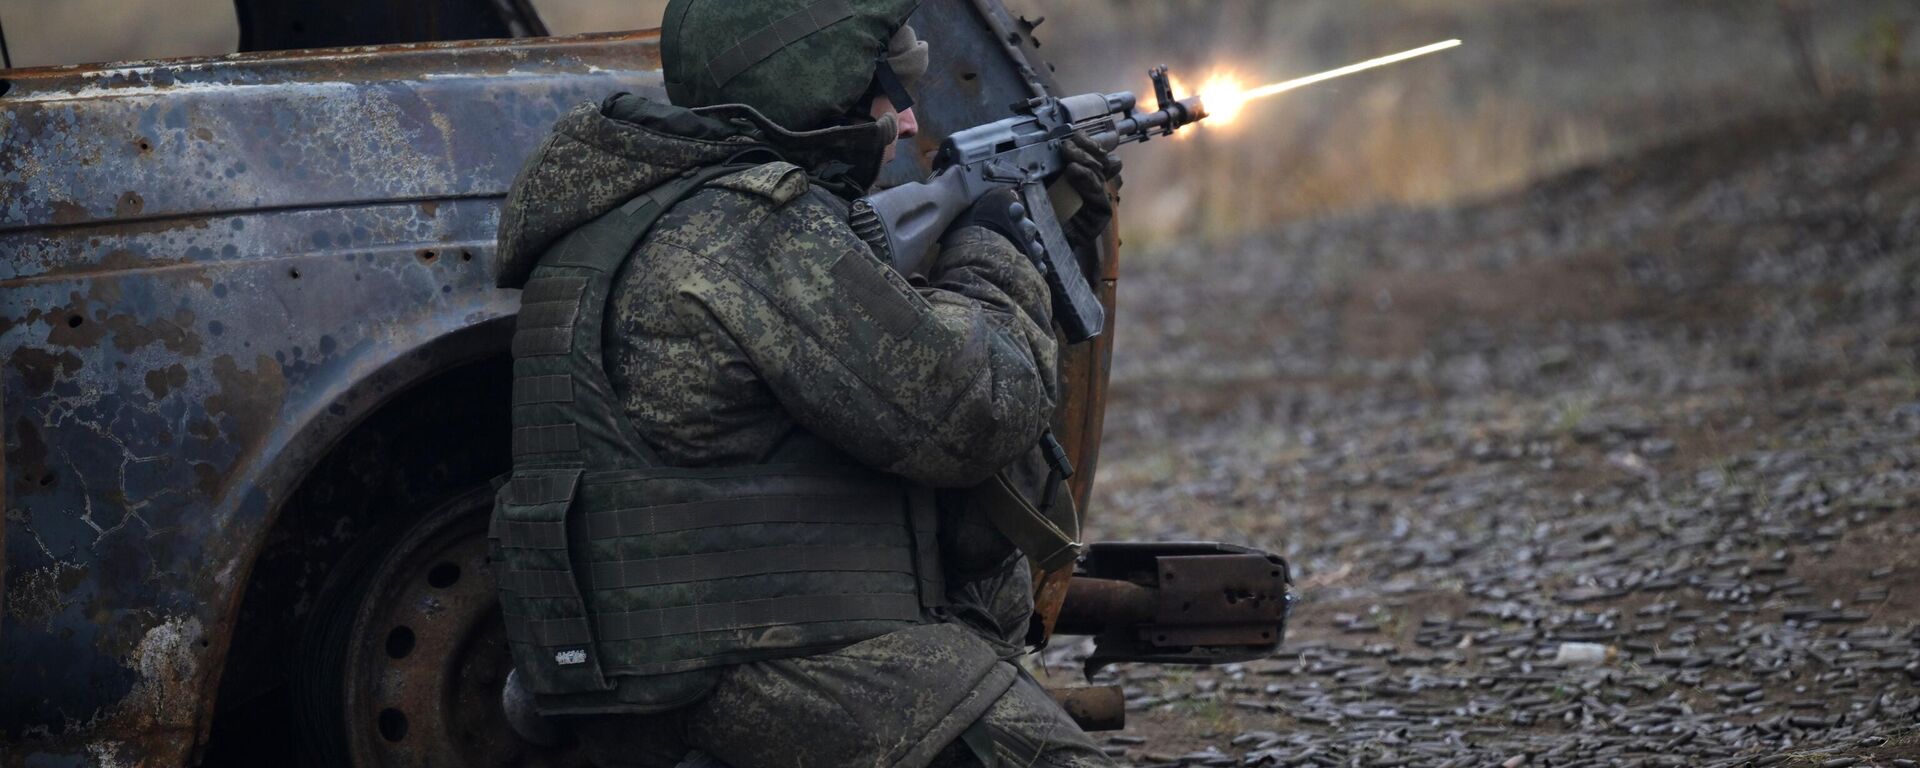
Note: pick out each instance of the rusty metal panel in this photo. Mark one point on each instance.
(1222, 589)
(1093, 707)
(1178, 602)
(211, 270)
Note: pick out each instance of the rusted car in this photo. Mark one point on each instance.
(255, 387)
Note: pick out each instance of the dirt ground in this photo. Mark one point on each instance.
(1670, 406)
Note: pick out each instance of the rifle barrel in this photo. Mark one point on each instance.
(1141, 126)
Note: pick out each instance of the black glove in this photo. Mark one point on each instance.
(999, 211)
(1088, 169)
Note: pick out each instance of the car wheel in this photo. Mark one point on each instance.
(405, 656)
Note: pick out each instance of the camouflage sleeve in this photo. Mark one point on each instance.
(943, 384)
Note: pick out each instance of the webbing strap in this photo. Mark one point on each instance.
(531, 390)
(751, 614)
(772, 37)
(567, 418)
(547, 438)
(528, 489)
(872, 290)
(923, 515)
(546, 327)
(547, 314)
(531, 342)
(565, 288)
(762, 561)
(750, 510)
(603, 244)
(537, 583)
(531, 534)
(549, 633)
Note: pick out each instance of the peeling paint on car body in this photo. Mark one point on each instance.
(212, 271)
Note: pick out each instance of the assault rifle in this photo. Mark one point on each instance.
(1021, 153)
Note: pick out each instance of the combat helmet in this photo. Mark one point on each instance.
(804, 64)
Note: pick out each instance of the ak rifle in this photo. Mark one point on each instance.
(1021, 153)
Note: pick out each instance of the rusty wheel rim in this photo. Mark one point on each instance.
(427, 654)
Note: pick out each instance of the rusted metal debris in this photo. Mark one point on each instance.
(1178, 603)
(1093, 707)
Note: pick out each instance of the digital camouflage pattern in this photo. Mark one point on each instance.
(752, 312)
(752, 325)
(741, 321)
(885, 702)
(598, 158)
(802, 63)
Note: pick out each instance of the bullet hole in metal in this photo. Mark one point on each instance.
(393, 724)
(969, 76)
(466, 255)
(399, 642)
(294, 273)
(145, 146)
(75, 321)
(46, 480)
(427, 255)
(443, 575)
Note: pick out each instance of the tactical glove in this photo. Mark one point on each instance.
(1088, 169)
(999, 211)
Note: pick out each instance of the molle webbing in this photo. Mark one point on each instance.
(760, 561)
(739, 614)
(613, 565)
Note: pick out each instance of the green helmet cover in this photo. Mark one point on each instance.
(802, 63)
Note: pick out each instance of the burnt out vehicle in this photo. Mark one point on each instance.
(256, 385)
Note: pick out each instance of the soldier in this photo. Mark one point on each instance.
(732, 525)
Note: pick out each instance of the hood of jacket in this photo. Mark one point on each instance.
(600, 156)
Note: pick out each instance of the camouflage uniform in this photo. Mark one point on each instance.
(751, 325)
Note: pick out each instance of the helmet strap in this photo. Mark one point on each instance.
(887, 83)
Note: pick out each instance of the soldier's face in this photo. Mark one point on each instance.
(906, 125)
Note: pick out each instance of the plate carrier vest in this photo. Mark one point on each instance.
(617, 571)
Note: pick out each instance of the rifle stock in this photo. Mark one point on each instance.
(903, 223)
